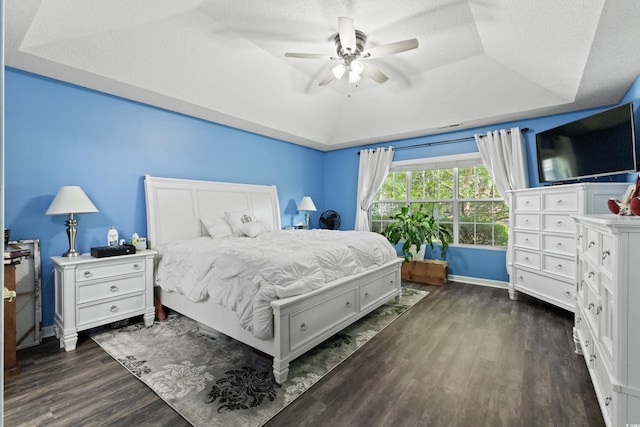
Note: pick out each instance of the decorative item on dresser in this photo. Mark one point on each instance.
(541, 252)
(607, 316)
(91, 292)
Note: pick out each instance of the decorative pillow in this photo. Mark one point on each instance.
(254, 228)
(217, 226)
(237, 218)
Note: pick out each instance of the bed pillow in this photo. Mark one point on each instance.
(237, 218)
(254, 228)
(217, 226)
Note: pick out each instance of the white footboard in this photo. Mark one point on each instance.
(303, 321)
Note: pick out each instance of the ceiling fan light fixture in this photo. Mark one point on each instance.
(353, 77)
(357, 67)
(338, 71)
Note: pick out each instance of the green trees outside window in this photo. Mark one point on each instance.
(464, 199)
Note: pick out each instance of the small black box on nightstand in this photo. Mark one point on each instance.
(105, 251)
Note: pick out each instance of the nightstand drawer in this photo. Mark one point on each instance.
(102, 270)
(111, 288)
(99, 314)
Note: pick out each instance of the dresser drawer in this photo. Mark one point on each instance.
(559, 266)
(99, 314)
(527, 202)
(373, 292)
(559, 244)
(526, 240)
(527, 221)
(559, 223)
(560, 202)
(526, 258)
(604, 388)
(110, 288)
(92, 271)
(592, 246)
(557, 292)
(310, 322)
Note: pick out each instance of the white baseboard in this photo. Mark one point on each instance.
(47, 332)
(478, 281)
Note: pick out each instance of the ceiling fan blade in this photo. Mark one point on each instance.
(390, 49)
(347, 33)
(309, 55)
(374, 73)
(326, 80)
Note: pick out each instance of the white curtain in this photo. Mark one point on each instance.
(504, 155)
(374, 168)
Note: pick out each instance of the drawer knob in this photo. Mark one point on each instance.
(592, 358)
(303, 327)
(591, 274)
(348, 303)
(578, 320)
(527, 202)
(558, 245)
(559, 223)
(591, 305)
(526, 259)
(559, 202)
(586, 343)
(136, 266)
(113, 309)
(582, 283)
(607, 401)
(366, 295)
(526, 221)
(591, 243)
(87, 274)
(559, 267)
(598, 309)
(114, 288)
(521, 278)
(605, 254)
(567, 294)
(579, 236)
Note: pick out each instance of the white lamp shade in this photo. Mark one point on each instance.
(71, 199)
(306, 204)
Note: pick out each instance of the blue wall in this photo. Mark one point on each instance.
(58, 134)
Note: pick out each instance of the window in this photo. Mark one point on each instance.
(458, 192)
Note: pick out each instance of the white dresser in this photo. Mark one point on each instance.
(542, 247)
(607, 319)
(91, 292)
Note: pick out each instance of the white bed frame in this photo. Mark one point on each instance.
(174, 207)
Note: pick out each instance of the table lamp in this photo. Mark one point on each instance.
(71, 200)
(306, 204)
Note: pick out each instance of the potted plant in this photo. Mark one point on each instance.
(415, 229)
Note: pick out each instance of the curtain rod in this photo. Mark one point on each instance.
(446, 141)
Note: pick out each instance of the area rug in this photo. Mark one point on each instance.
(213, 380)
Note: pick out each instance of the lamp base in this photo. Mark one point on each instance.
(71, 253)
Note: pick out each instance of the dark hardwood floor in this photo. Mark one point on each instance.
(464, 356)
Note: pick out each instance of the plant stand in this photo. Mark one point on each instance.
(431, 272)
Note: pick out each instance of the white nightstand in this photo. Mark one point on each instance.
(91, 292)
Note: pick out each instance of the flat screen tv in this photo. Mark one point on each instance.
(597, 145)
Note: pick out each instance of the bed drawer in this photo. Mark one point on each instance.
(99, 314)
(373, 292)
(111, 288)
(99, 271)
(306, 324)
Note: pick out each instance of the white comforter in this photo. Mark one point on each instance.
(245, 274)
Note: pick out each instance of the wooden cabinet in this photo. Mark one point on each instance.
(542, 255)
(607, 316)
(91, 292)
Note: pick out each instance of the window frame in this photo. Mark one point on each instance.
(454, 162)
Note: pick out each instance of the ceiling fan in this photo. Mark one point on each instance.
(350, 44)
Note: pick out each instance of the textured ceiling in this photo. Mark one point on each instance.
(479, 61)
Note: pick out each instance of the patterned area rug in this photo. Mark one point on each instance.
(212, 380)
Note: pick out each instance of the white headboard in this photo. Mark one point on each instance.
(174, 206)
